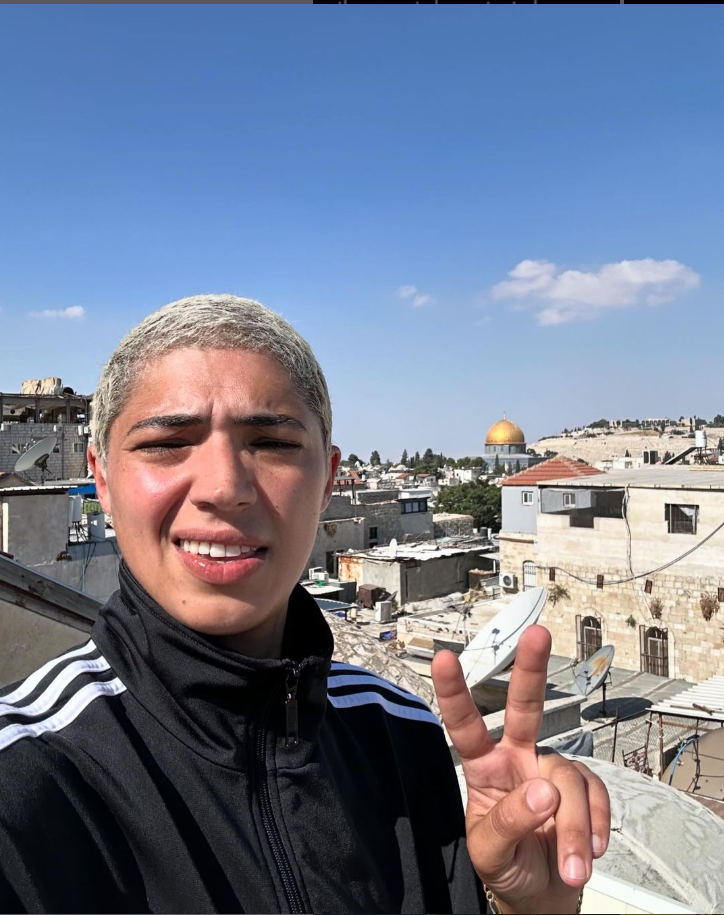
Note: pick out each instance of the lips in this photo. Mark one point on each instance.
(220, 563)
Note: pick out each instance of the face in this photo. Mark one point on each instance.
(216, 474)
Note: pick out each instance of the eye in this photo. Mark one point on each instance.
(160, 447)
(274, 444)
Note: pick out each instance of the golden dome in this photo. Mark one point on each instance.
(504, 433)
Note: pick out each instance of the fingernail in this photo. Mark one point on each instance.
(539, 796)
(599, 846)
(575, 869)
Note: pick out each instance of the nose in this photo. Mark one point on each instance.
(223, 476)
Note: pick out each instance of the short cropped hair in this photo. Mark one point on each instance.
(208, 322)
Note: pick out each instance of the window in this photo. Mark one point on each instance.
(654, 651)
(78, 447)
(681, 519)
(373, 536)
(412, 505)
(589, 637)
(527, 498)
(569, 499)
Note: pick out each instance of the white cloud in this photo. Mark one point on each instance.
(574, 295)
(74, 311)
(418, 299)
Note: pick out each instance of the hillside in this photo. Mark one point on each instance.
(615, 444)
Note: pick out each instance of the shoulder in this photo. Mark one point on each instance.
(53, 700)
(352, 687)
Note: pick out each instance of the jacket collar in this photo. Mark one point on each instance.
(209, 696)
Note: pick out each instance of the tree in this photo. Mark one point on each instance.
(718, 420)
(479, 499)
(417, 458)
(496, 466)
(404, 459)
(667, 456)
(428, 457)
(517, 466)
(628, 453)
(353, 459)
(375, 459)
(599, 424)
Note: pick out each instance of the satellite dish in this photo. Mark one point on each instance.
(494, 647)
(37, 456)
(591, 673)
(393, 548)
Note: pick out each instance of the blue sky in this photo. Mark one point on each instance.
(327, 160)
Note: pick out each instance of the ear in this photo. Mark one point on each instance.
(334, 459)
(94, 464)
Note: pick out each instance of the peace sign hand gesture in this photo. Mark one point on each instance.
(534, 821)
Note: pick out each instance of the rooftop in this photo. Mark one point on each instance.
(656, 477)
(554, 468)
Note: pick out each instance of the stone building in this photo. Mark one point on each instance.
(26, 419)
(641, 556)
(369, 518)
(520, 501)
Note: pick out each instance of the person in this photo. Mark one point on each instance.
(202, 751)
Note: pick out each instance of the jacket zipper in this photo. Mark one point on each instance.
(279, 853)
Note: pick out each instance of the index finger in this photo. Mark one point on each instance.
(526, 693)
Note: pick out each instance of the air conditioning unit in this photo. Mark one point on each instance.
(508, 581)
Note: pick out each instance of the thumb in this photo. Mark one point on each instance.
(492, 840)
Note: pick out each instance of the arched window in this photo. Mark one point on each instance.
(654, 651)
(589, 636)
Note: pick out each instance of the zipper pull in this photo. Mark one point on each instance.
(290, 707)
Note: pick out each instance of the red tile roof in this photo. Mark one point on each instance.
(555, 468)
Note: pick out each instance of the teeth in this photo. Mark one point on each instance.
(215, 550)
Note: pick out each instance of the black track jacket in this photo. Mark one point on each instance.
(152, 770)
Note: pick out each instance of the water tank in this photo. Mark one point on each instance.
(700, 438)
(75, 510)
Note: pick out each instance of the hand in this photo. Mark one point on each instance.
(534, 820)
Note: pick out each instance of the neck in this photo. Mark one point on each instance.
(264, 641)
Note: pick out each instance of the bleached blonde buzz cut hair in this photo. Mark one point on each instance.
(207, 322)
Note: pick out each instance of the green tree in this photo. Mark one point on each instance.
(353, 458)
(599, 424)
(404, 459)
(496, 466)
(718, 420)
(375, 458)
(428, 457)
(479, 499)
(417, 458)
(517, 466)
(667, 456)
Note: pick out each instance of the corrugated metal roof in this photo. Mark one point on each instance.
(656, 477)
(703, 700)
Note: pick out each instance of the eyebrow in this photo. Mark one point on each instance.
(185, 420)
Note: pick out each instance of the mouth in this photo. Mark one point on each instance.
(218, 563)
(213, 551)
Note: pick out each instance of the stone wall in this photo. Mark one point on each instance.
(338, 535)
(447, 524)
(68, 465)
(515, 549)
(695, 646)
